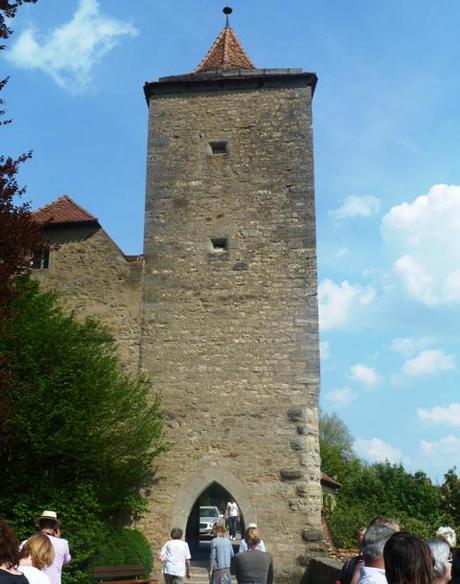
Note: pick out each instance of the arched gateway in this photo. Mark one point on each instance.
(230, 323)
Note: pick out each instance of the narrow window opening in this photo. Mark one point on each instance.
(41, 259)
(219, 147)
(219, 244)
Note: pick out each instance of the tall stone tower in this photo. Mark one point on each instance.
(230, 323)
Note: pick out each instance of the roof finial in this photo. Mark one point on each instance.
(227, 11)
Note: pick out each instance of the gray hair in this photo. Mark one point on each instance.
(374, 541)
(441, 552)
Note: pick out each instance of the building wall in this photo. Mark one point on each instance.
(231, 338)
(94, 278)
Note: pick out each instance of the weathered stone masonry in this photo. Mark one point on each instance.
(230, 336)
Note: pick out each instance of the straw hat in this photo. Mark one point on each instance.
(50, 516)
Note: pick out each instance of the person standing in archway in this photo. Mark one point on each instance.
(232, 515)
(176, 558)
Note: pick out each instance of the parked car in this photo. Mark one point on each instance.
(208, 516)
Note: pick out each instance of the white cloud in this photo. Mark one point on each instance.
(428, 362)
(70, 52)
(376, 450)
(340, 397)
(365, 375)
(449, 415)
(408, 346)
(442, 454)
(420, 236)
(342, 252)
(354, 206)
(337, 301)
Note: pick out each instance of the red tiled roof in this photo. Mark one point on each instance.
(327, 480)
(226, 53)
(63, 210)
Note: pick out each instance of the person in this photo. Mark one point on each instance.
(350, 572)
(449, 535)
(36, 553)
(232, 514)
(220, 555)
(244, 542)
(176, 558)
(351, 569)
(47, 523)
(9, 556)
(442, 560)
(408, 560)
(253, 566)
(374, 540)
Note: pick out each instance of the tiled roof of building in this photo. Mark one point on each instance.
(226, 53)
(63, 210)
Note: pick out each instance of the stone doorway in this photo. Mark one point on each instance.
(208, 508)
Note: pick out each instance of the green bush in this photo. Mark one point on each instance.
(123, 546)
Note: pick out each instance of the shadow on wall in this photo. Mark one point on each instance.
(322, 570)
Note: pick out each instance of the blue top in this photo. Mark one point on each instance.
(221, 553)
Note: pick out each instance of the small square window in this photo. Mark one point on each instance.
(219, 147)
(219, 244)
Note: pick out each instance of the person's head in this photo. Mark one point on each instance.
(9, 555)
(387, 522)
(48, 522)
(219, 529)
(176, 533)
(39, 550)
(448, 534)
(442, 559)
(408, 560)
(374, 541)
(252, 537)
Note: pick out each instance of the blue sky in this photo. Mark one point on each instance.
(387, 151)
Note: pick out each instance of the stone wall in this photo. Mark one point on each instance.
(94, 278)
(230, 335)
(322, 570)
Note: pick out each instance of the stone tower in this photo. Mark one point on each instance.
(230, 323)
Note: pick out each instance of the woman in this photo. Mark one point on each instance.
(253, 566)
(442, 560)
(36, 553)
(408, 560)
(9, 556)
(220, 555)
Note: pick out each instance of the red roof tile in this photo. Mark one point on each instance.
(63, 210)
(226, 53)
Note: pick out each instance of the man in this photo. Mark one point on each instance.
(374, 540)
(232, 514)
(175, 555)
(47, 523)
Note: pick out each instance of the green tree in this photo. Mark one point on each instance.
(76, 417)
(336, 445)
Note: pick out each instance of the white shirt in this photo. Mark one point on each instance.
(174, 554)
(232, 509)
(260, 547)
(34, 575)
(372, 576)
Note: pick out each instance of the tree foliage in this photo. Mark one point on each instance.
(76, 417)
(20, 237)
(384, 489)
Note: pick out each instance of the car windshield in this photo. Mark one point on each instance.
(208, 512)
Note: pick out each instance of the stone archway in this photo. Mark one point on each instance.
(196, 484)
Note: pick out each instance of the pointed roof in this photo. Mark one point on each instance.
(63, 210)
(226, 54)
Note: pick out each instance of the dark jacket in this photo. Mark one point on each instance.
(253, 567)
